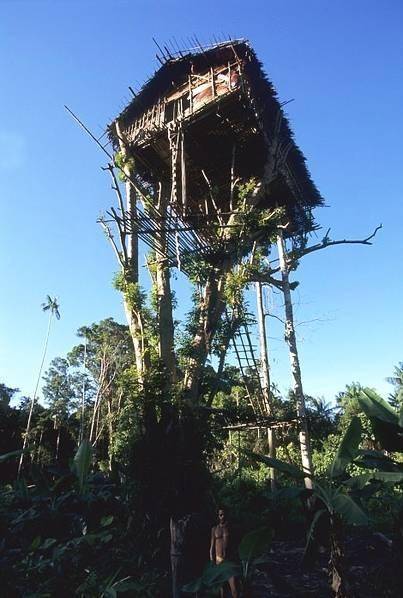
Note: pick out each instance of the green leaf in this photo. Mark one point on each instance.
(126, 584)
(35, 543)
(375, 407)
(377, 460)
(358, 482)
(193, 587)
(283, 466)
(12, 455)
(254, 544)
(390, 436)
(311, 532)
(48, 543)
(214, 575)
(401, 417)
(348, 448)
(107, 520)
(82, 463)
(345, 506)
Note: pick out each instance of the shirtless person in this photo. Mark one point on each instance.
(219, 547)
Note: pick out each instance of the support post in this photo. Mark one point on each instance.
(265, 375)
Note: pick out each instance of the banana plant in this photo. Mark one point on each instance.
(81, 465)
(251, 552)
(387, 424)
(330, 502)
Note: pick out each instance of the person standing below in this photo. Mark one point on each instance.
(219, 547)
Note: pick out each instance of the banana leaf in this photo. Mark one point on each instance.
(385, 422)
(282, 466)
(374, 406)
(348, 448)
(254, 544)
(213, 577)
(311, 532)
(13, 455)
(377, 460)
(348, 509)
(82, 463)
(358, 482)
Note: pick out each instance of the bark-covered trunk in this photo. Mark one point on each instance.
(136, 326)
(265, 373)
(178, 533)
(212, 306)
(164, 293)
(291, 340)
(131, 274)
(339, 581)
(58, 443)
(220, 369)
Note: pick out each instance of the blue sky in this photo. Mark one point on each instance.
(340, 61)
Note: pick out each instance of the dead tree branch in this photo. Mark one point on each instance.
(111, 239)
(116, 188)
(326, 242)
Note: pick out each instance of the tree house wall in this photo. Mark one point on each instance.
(186, 101)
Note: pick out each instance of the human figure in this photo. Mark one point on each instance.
(220, 538)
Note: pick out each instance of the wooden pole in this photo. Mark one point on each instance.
(265, 375)
(183, 171)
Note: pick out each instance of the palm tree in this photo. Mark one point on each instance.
(52, 306)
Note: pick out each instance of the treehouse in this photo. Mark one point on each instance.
(206, 122)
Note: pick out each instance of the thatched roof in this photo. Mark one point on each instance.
(175, 72)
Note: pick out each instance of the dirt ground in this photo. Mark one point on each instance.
(374, 570)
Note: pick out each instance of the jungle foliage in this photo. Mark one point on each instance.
(90, 517)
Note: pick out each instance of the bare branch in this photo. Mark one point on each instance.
(266, 278)
(116, 188)
(109, 234)
(295, 255)
(210, 188)
(275, 317)
(122, 233)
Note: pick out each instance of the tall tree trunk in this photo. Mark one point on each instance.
(38, 451)
(291, 340)
(110, 432)
(220, 369)
(31, 408)
(212, 306)
(339, 581)
(265, 372)
(57, 444)
(133, 313)
(82, 415)
(164, 293)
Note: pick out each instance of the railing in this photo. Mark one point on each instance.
(186, 100)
